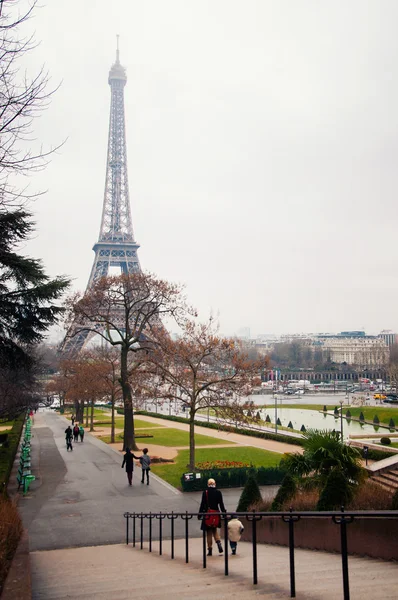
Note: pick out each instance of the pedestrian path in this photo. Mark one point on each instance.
(122, 572)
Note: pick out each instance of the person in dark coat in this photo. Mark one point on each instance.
(68, 437)
(76, 433)
(128, 460)
(212, 498)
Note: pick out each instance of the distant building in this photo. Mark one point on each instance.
(354, 348)
(389, 337)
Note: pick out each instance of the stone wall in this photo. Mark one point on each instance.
(372, 537)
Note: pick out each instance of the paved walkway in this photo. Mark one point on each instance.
(74, 510)
(79, 497)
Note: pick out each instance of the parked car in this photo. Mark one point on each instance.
(379, 396)
(390, 401)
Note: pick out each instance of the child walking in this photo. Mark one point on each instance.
(145, 461)
(235, 530)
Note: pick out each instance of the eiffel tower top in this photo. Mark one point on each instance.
(117, 72)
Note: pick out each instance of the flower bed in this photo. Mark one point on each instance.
(221, 464)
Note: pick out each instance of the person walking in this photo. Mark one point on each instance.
(235, 530)
(73, 420)
(145, 461)
(128, 460)
(76, 433)
(68, 437)
(81, 432)
(212, 501)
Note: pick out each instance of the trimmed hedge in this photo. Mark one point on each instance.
(7, 454)
(229, 478)
(265, 435)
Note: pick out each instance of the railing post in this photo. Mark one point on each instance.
(127, 517)
(226, 572)
(141, 531)
(342, 521)
(134, 517)
(204, 548)
(186, 539)
(172, 535)
(291, 520)
(254, 544)
(150, 532)
(160, 534)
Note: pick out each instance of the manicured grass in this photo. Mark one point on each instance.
(167, 436)
(119, 423)
(255, 456)
(7, 424)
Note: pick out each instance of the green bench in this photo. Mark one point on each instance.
(25, 478)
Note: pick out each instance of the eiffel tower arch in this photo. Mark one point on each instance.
(116, 245)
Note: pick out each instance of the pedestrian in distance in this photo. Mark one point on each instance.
(145, 461)
(68, 437)
(81, 432)
(73, 420)
(128, 460)
(212, 502)
(235, 530)
(76, 433)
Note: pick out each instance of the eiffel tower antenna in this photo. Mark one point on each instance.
(116, 245)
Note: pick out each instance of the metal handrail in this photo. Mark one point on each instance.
(341, 518)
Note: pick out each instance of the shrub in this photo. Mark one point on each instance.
(250, 495)
(370, 496)
(229, 478)
(391, 424)
(303, 429)
(394, 504)
(285, 492)
(221, 464)
(376, 420)
(336, 411)
(267, 419)
(348, 414)
(278, 422)
(336, 493)
(10, 532)
(385, 441)
(8, 452)
(324, 408)
(361, 416)
(290, 425)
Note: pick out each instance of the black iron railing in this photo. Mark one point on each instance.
(340, 518)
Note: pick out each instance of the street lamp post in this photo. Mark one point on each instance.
(276, 413)
(341, 419)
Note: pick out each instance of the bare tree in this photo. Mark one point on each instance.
(203, 370)
(126, 311)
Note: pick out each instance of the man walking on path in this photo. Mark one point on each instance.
(68, 437)
(128, 460)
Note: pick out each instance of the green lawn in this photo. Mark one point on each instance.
(119, 423)
(167, 436)
(255, 456)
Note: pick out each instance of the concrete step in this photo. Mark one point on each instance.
(387, 479)
(120, 572)
(385, 485)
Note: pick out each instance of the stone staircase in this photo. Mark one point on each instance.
(387, 479)
(121, 572)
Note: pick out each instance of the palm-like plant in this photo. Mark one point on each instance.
(324, 452)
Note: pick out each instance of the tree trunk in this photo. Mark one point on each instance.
(129, 439)
(192, 439)
(80, 411)
(87, 413)
(92, 416)
(113, 418)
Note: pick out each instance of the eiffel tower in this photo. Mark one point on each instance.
(116, 246)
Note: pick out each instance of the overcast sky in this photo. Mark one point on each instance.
(262, 141)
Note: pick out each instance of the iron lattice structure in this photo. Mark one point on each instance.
(116, 246)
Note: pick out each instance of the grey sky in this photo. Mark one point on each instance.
(262, 146)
